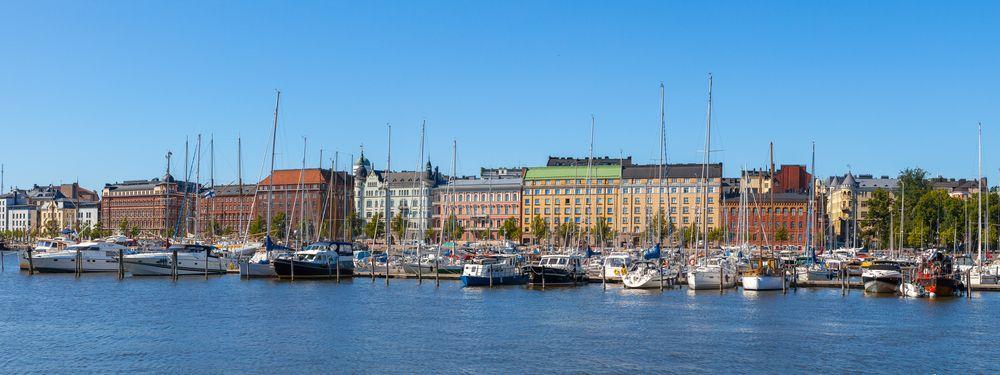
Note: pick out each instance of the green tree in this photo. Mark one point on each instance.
(453, 230)
(430, 235)
(257, 226)
(781, 235)
(399, 224)
(85, 231)
(510, 229)
(123, 226)
(375, 227)
(355, 226)
(603, 233)
(51, 228)
(539, 228)
(134, 232)
(278, 224)
(879, 218)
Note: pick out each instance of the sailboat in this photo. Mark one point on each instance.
(709, 272)
(259, 265)
(980, 273)
(764, 272)
(812, 270)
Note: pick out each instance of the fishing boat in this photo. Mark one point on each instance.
(556, 270)
(42, 246)
(192, 259)
(321, 260)
(882, 276)
(492, 271)
(937, 276)
(712, 273)
(647, 274)
(764, 274)
(92, 257)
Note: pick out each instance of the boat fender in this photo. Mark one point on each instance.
(692, 261)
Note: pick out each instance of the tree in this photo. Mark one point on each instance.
(355, 226)
(539, 228)
(453, 229)
(510, 229)
(716, 235)
(278, 224)
(375, 227)
(51, 228)
(134, 232)
(257, 226)
(430, 235)
(85, 231)
(399, 224)
(123, 226)
(879, 218)
(603, 233)
(781, 235)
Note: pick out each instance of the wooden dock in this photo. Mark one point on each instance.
(401, 275)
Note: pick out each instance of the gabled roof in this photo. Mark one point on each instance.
(294, 176)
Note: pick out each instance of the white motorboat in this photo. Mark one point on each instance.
(259, 265)
(42, 246)
(318, 260)
(813, 272)
(983, 275)
(191, 260)
(92, 256)
(616, 266)
(912, 290)
(882, 276)
(711, 273)
(647, 274)
(490, 271)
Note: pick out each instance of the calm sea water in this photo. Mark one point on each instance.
(96, 323)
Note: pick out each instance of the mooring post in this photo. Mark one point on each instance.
(659, 271)
(604, 276)
(437, 272)
(121, 264)
(338, 268)
(31, 261)
(79, 262)
(420, 278)
(543, 275)
(206, 263)
(173, 264)
(386, 266)
(371, 269)
(720, 280)
(491, 275)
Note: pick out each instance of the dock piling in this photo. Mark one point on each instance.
(491, 275)
(79, 263)
(31, 262)
(173, 265)
(338, 268)
(437, 272)
(721, 284)
(121, 264)
(206, 263)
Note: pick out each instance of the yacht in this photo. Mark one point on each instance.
(616, 266)
(764, 274)
(191, 260)
(260, 264)
(42, 246)
(937, 276)
(706, 275)
(813, 272)
(556, 270)
(647, 274)
(321, 260)
(94, 257)
(882, 276)
(492, 271)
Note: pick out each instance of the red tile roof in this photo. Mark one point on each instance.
(292, 177)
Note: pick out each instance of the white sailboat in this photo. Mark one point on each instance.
(709, 272)
(812, 270)
(259, 265)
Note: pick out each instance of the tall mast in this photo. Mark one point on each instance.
(810, 221)
(239, 185)
(659, 183)
(302, 195)
(770, 194)
(197, 197)
(590, 167)
(211, 182)
(388, 208)
(979, 195)
(422, 205)
(902, 216)
(704, 168)
(187, 178)
(270, 178)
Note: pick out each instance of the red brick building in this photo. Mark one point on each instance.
(154, 206)
(792, 179)
(230, 207)
(766, 217)
(316, 196)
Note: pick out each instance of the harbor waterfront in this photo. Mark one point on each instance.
(59, 323)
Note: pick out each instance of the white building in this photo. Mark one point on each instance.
(7, 201)
(410, 194)
(22, 217)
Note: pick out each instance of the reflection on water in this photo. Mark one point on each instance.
(96, 323)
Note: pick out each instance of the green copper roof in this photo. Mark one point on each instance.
(573, 172)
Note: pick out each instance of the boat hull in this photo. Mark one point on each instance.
(309, 270)
(762, 283)
(941, 287)
(68, 265)
(472, 281)
(154, 267)
(256, 269)
(882, 284)
(709, 280)
(538, 275)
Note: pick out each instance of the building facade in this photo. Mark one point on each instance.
(679, 196)
(311, 200)
(774, 220)
(480, 206)
(411, 194)
(229, 207)
(156, 207)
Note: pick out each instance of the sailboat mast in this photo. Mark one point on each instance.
(811, 221)
(660, 203)
(422, 206)
(197, 197)
(302, 195)
(704, 168)
(388, 208)
(590, 169)
(979, 195)
(270, 178)
(239, 185)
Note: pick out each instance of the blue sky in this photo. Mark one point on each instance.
(99, 91)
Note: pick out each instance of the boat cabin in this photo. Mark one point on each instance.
(341, 248)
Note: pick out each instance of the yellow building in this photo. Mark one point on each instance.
(626, 197)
